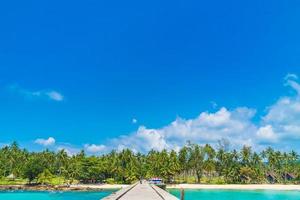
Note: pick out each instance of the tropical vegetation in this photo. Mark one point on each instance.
(192, 163)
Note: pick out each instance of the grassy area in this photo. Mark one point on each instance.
(204, 180)
(51, 181)
(5, 181)
(57, 181)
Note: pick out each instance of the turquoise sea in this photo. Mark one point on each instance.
(189, 194)
(238, 195)
(25, 195)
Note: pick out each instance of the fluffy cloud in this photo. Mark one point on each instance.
(211, 127)
(206, 128)
(142, 140)
(92, 148)
(284, 115)
(279, 127)
(266, 134)
(38, 94)
(68, 148)
(45, 142)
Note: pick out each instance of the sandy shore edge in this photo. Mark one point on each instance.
(79, 187)
(236, 187)
(98, 186)
(88, 187)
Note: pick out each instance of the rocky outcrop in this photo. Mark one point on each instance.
(45, 188)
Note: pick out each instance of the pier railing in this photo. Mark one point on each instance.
(141, 191)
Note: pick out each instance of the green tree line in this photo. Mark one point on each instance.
(193, 163)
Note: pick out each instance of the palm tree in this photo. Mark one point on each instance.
(183, 161)
(196, 161)
(246, 155)
(62, 160)
(209, 163)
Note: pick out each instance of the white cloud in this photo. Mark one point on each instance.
(92, 148)
(278, 127)
(206, 128)
(142, 140)
(211, 127)
(38, 94)
(283, 118)
(54, 95)
(69, 149)
(45, 142)
(284, 115)
(290, 76)
(151, 138)
(266, 134)
(293, 84)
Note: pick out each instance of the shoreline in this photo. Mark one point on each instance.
(236, 187)
(77, 187)
(100, 187)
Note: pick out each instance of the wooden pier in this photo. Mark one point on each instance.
(141, 191)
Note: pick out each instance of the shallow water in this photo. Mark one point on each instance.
(189, 195)
(19, 195)
(238, 195)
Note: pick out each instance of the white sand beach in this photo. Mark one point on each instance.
(236, 187)
(173, 186)
(199, 186)
(98, 186)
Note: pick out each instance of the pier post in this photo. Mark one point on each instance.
(182, 194)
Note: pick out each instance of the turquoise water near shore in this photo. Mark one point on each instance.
(19, 195)
(238, 195)
(189, 195)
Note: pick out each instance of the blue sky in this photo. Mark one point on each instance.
(85, 73)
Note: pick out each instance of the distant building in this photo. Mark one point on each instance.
(271, 177)
(288, 176)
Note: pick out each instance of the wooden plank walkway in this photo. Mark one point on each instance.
(141, 191)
